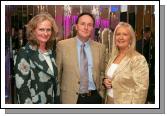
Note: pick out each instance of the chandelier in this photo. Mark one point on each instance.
(95, 11)
(42, 8)
(67, 10)
(81, 9)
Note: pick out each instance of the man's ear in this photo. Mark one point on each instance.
(76, 27)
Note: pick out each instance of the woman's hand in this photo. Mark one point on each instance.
(107, 83)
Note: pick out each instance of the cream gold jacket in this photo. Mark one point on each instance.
(130, 80)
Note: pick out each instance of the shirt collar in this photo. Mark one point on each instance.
(79, 42)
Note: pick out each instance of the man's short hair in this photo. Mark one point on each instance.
(86, 13)
(147, 29)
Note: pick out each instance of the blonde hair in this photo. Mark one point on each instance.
(32, 25)
(132, 45)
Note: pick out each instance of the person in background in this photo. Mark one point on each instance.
(80, 62)
(34, 64)
(146, 47)
(127, 73)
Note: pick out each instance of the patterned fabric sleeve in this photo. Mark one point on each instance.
(22, 77)
(141, 78)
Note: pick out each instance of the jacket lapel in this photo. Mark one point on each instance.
(95, 56)
(75, 54)
(123, 64)
(109, 64)
(53, 64)
(39, 61)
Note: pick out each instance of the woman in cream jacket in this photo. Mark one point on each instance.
(127, 73)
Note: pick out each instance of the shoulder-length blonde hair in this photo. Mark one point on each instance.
(132, 45)
(32, 25)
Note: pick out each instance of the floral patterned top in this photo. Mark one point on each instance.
(35, 82)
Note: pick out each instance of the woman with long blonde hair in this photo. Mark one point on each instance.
(127, 73)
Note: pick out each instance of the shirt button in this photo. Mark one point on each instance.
(78, 82)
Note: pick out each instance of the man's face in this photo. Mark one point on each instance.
(147, 35)
(84, 27)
